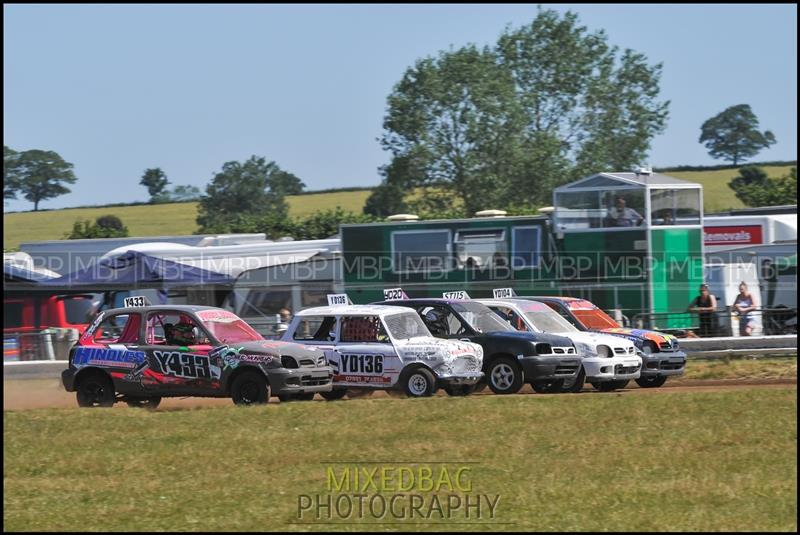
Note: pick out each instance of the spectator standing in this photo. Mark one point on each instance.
(705, 305)
(745, 305)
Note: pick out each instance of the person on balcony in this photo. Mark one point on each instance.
(622, 216)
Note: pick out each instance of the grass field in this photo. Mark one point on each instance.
(717, 195)
(174, 219)
(683, 461)
(776, 368)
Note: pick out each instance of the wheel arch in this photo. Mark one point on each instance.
(239, 371)
(91, 370)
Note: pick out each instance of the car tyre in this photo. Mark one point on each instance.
(96, 390)
(548, 387)
(250, 388)
(296, 397)
(651, 382)
(333, 395)
(481, 385)
(610, 386)
(577, 385)
(459, 390)
(418, 382)
(504, 376)
(150, 403)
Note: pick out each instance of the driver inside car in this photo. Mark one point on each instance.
(180, 334)
(436, 323)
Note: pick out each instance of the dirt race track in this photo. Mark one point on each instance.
(48, 393)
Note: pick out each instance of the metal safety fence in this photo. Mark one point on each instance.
(723, 322)
(47, 344)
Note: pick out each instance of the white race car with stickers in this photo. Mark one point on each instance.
(609, 361)
(383, 347)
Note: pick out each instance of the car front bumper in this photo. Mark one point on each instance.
(459, 378)
(663, 364)
(601, 369)
(300, 380)
(549, 368)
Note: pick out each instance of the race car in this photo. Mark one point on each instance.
(381, 347)
(143, 353)
(609, 362)
(660, 352)
(511, 358)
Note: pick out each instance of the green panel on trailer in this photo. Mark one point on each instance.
(426, 258)
(677, 272)
(612, 256)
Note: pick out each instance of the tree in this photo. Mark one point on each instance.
(733, 135)
(550, 102)
(240, 189)
(286, 183)
(41, 175)
(10, 175)
(385, 200)
(155, 180)
(184, 193)
(107, 226)
(455, 122)
(754, 188)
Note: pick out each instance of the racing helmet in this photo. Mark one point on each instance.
(181, 334)
(436, 322)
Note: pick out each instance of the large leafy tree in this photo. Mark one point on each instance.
(733, 135)
(155, 180)
(10, 176)
(241, 189)
(453, 118)
(501, 126)
(41, 175)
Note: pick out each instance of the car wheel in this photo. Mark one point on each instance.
(504, 376)
(144, 403)
(548, 387)
(419, 383)
(96, 390)
(333, 395)
(459, 390)
(295, 397)
(651, 382)
(577, 385)
(250, 388)
(610, 386)
(480, 386)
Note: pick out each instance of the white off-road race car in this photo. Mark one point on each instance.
(609, 362)
(386, 347)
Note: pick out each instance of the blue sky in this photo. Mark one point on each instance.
(117, 89)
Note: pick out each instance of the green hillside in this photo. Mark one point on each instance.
(179, 218)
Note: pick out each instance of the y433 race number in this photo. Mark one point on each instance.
(361, 364)
(184, 365)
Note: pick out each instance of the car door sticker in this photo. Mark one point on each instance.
(186, 365)
(113, 358)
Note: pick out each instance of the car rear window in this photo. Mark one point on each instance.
(316, 329)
